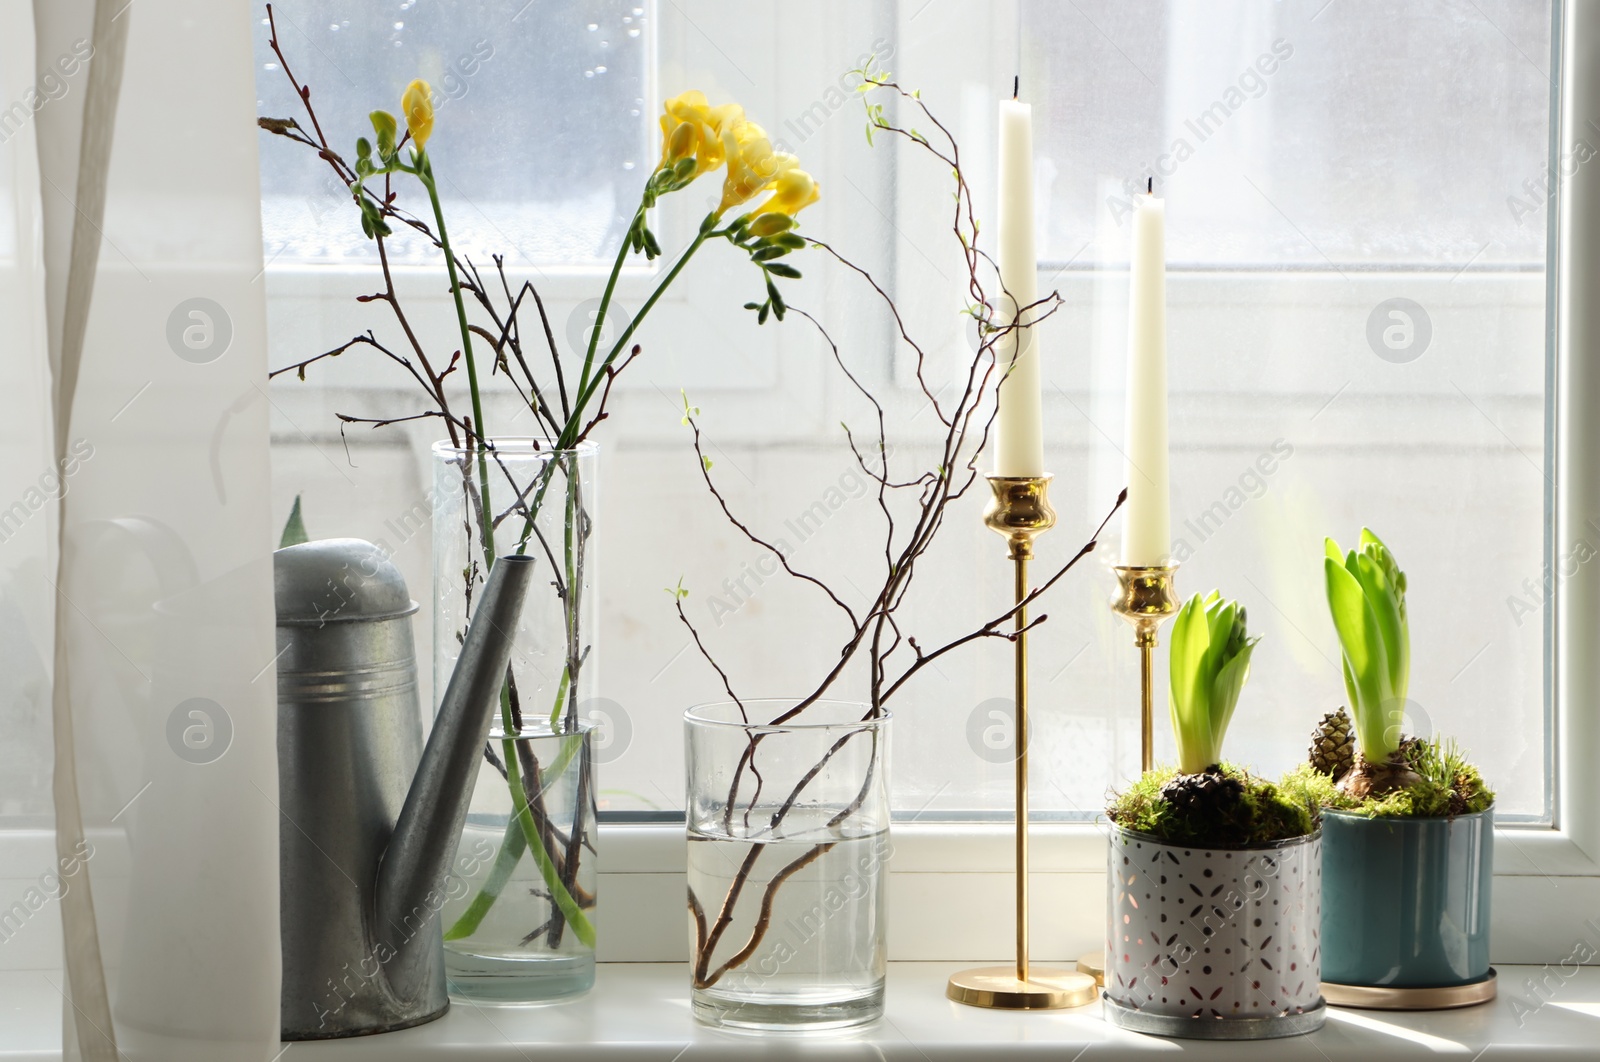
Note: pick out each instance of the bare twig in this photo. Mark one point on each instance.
(967, 416)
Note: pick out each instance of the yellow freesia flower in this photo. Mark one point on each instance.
(752, 164)
(692, 128)
(417, 103)
(792, 191)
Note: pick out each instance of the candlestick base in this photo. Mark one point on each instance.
(1145, 598)
(1093, 965)
(998, 988)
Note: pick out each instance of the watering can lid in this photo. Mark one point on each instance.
(334, 580)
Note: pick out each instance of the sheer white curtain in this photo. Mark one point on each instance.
(133, 411)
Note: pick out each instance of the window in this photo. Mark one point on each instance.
(546, 174)
(1358, 215)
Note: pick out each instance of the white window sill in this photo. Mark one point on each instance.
(641, 1011)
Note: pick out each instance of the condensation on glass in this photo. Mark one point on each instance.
(541, 133)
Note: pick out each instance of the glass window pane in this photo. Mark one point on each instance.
(546, 174)
(1358, 196)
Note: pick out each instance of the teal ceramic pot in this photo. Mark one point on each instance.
(1405, 902)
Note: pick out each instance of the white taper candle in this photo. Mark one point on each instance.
(1019, 429)
(1147, 525)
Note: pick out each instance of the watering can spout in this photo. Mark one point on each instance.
(410, 883)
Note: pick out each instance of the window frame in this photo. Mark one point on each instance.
(1547, 876)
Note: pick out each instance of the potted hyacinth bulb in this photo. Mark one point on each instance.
(1408, 823)
(1215, 872)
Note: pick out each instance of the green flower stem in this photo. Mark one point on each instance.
(561, 698)
(589, 383)
(512, 845)
(425, 175)
(547, 868)
(587, 386)
(600, 315)
(705, 233)
(558, 892)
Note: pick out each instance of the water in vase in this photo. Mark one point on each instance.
(816, 957)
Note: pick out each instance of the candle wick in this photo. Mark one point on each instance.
(1016, 85)
(1149, 186)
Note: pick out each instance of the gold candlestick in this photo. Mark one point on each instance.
(1145, 599)
(1020, 510)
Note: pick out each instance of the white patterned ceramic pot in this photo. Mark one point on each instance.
(1214, 943)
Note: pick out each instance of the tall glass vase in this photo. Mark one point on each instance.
(519, 919)
(788, 844)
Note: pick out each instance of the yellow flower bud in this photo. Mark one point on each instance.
(792, 191)
(417, 103)
(770, 224)
(384, 125)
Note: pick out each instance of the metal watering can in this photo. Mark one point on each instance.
(370, 818)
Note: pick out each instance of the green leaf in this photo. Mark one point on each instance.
(767, 254)
(1190, 690)
(1219, 623)
(1351, 691)
(294, 529)
(761, 316)
(1362, 642)
(1381, 597)
(780, 269)
(1225, 691)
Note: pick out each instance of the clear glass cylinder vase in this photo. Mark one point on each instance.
(520, 914)
(788, 830)
(519, 917)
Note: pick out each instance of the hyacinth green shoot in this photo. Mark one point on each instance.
(1210, 662)
(1367, 599)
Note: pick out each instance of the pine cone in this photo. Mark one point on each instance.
(1333, 745)
(1208, 795)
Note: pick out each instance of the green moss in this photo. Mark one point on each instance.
(1264, 812)
(1449, 786)
(1310, 787)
